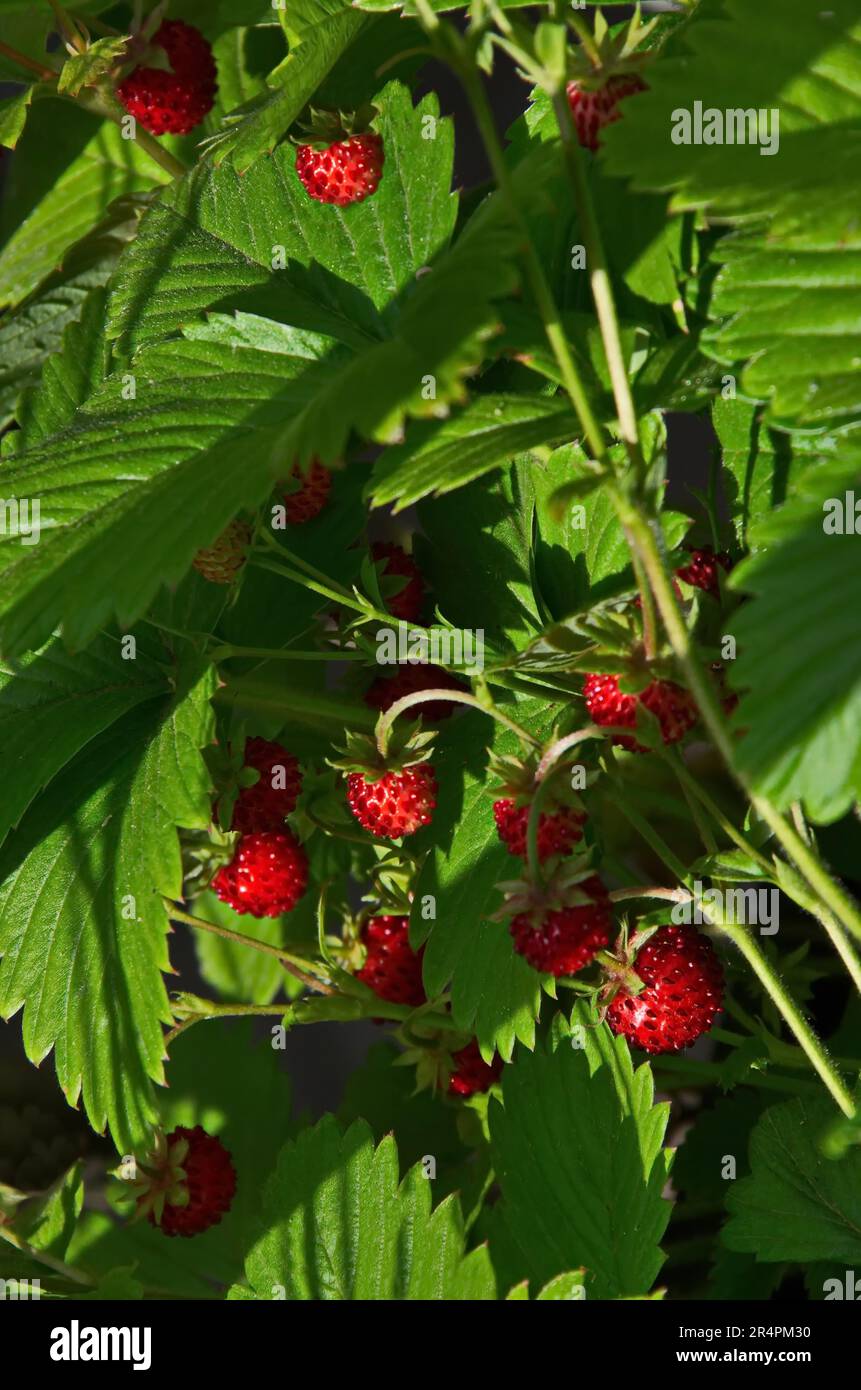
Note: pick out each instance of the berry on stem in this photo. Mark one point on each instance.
(391, 790)
(406, 604)
(395, 804)
(221, 562)
(314, 488)
(265, 805)
(173, 102)
(671, 705)
(188, 1184)
(702, 570)
(344, 172)
(562, 939)
(392, 969)
(605, 70)
(267, 875)
(558, 830)
(595, 108)
(683, 981)
(470, 1073)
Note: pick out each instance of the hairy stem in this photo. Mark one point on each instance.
(459, 697)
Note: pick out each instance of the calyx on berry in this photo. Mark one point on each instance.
(320, 128)
(161, 1178)
(407, 745)
(563, 888)
(603, 55)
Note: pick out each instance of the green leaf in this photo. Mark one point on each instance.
(800, 650)
(439, 457)
(85, 69)
(320, 32)
(13, 117)
(82, 927)
(786, 300)
(475, 549)
(215, 234)
(34, 330)
(797, 1205)
(189, 409)
(383, 1094)
(48, 1223)
(577, 1152)
(107, 168)
(581, 556)
(494, 993)
(53, 703)
(339, 1226)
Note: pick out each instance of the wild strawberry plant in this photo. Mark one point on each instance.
(358, 637)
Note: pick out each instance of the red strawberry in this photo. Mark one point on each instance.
(189, 1185)
(173, 102)
(702, 572)
(267, 875)
(671, 705)
(557, 830)
(594, 108)
(346, 172)
(562, 941)
(409, 680)
(406, 604)
(221, 562)
(310, 500)
(471, 1073)
(398, 803)
(684, 989)
(392, 969)
(264, 806)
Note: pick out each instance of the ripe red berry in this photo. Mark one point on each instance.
(173, 102)
(407, 603)
(266, 876)
(346, 172)
(192, 1187)
(595, 108)
(392, 969)
(221, 562)
(408, 680)
(309, 501)
(264, 806)
(398, 803)
(671, 705)
(557, 830)
(565, 939)
(470, 1072)
(702, 572)
(684, 989)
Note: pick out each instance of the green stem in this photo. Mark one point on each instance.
(599, 277)
(792, 1015)
(75, 1276)
(710, 1072)
(644, 541)
(650, 835)
(102, 103)
(226, 651)
(792, 883)
(545, 304)
(304, 970)
(45, 73)
(459, 697)
(255, 691)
